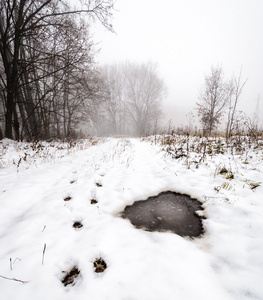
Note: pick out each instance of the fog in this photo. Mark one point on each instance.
(177, 61)
(186, 38)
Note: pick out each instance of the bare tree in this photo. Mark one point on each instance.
(113, 109)
(213, 99)
(237, 89)
(135, 96)
(26, 60)
(144, 92)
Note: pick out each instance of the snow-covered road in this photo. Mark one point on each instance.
(226, 263)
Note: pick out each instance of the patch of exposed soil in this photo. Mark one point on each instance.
(68, 198)
(99, 265)
(71, 276)
(77, 224)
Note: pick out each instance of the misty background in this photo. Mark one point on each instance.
(78, 68)
(186, 38)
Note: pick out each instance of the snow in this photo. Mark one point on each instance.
(226, 263)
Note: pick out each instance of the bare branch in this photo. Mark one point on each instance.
(14, 279)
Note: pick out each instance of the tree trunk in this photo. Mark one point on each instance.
(9, 114)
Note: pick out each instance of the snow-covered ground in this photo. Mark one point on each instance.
(39, 245)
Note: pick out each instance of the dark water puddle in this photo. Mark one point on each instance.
(168, 211)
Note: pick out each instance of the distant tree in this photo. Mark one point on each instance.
(144, 91)
(191, 120)
(237, 88)
(213, 99)
(113, 109)
(135, 95)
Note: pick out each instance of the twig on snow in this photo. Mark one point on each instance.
(16, 260)
(44, 250)
(14, 279)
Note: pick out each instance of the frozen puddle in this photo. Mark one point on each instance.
(168, 211)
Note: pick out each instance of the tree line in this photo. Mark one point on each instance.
(48, 76)
(50, 84)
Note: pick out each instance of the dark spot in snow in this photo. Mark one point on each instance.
(223, 171)
(67, 198)
(168, 211)
(71, 276)
(93, 201)
(77, 224)
(99, 265)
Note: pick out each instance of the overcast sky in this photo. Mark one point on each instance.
(186, 38)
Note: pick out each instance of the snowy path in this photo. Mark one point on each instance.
(225, 264)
